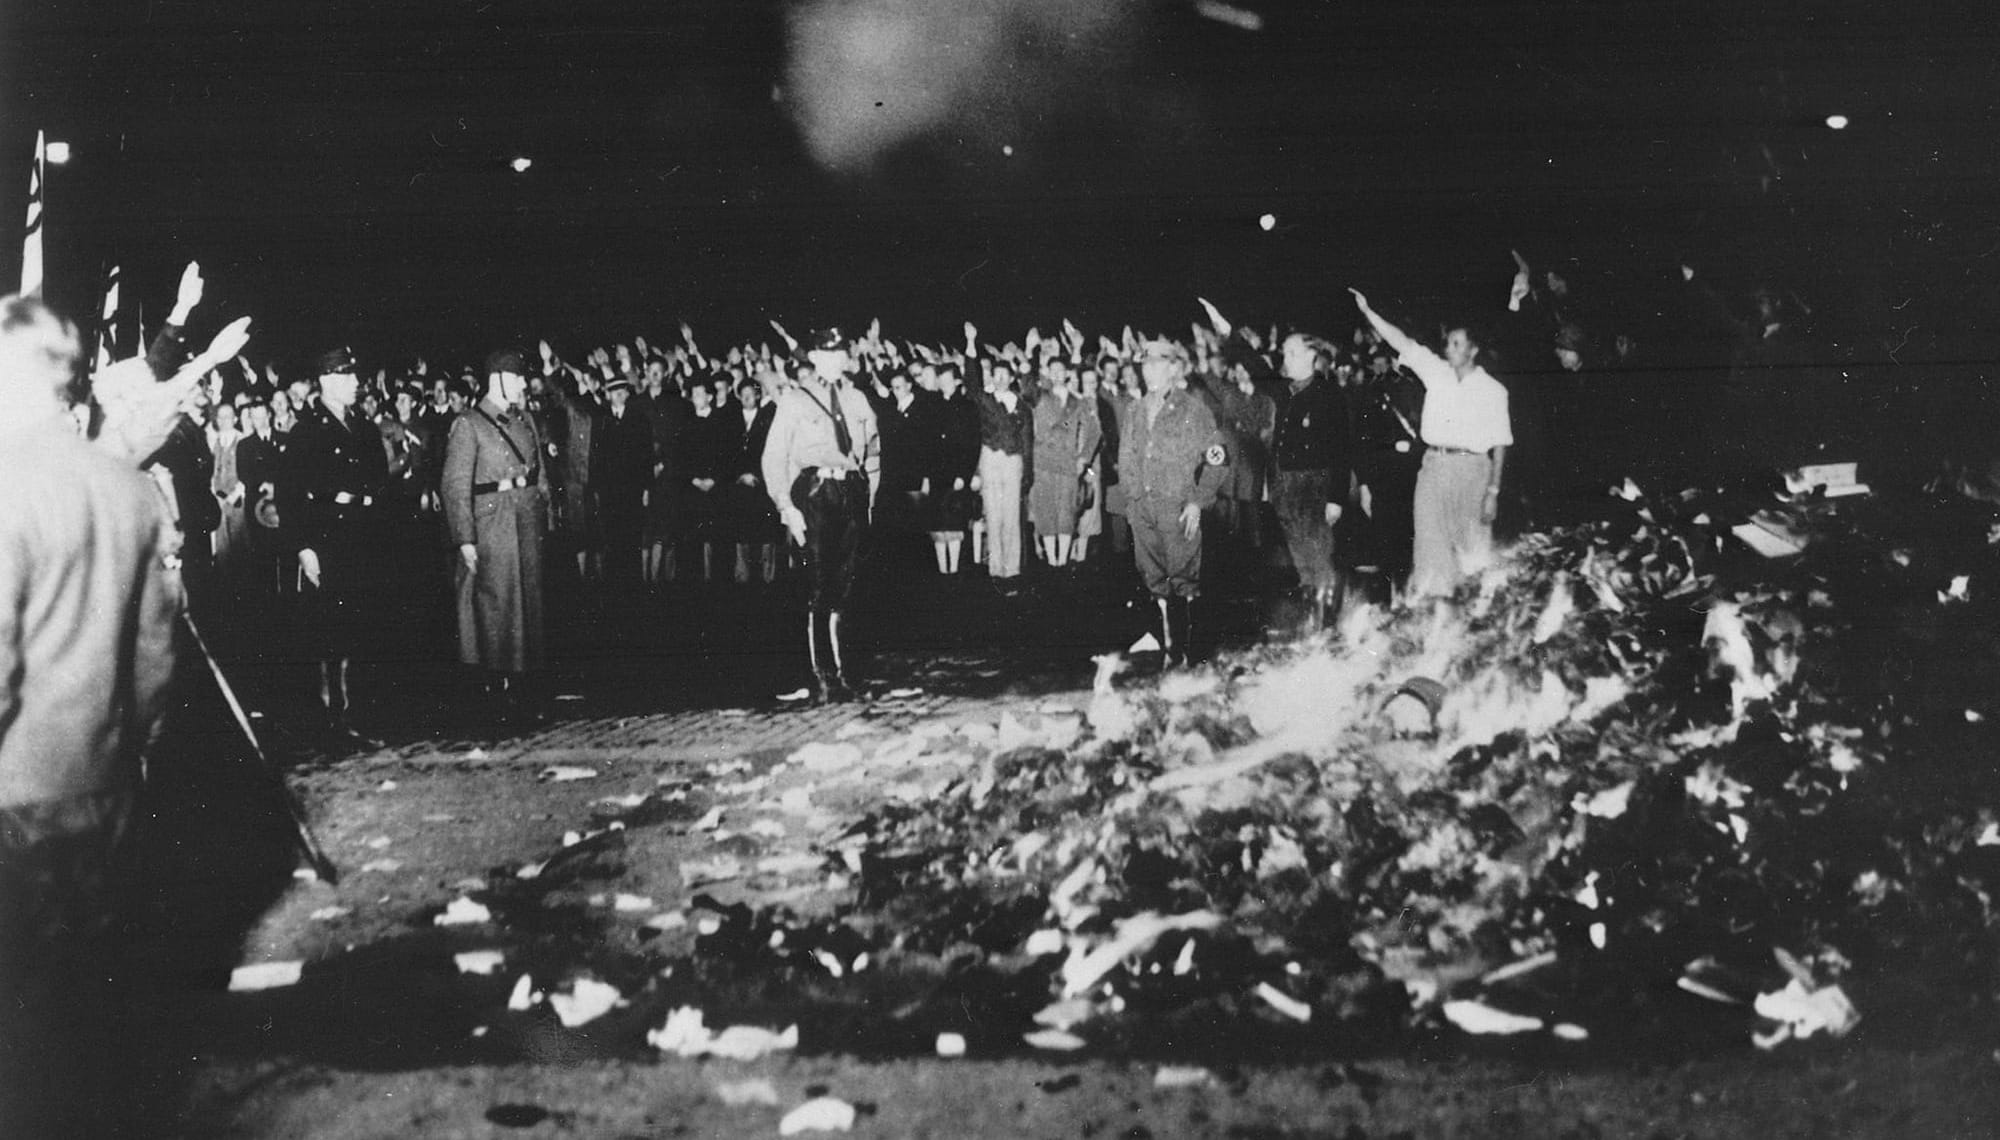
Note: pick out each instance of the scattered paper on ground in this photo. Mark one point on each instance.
(821, 1114)
(685, 1035)
(587, 1000)
(265, 976)
(1477, 1017)
(479, 961)
(463, 911)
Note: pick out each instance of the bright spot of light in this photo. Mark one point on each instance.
(1007, 150)
(1836, 122)
(57, 153)
(1230, 14)
(521, 164)
(1267, 223)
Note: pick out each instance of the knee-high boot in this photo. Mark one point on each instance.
(819, 661)
(837, 688)
(1171, 653)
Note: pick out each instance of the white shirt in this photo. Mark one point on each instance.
(1468, 413)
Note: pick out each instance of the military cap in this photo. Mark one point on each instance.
(506, 360)
(338, 361)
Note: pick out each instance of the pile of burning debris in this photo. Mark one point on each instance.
(1633, 783)
(1629, 769)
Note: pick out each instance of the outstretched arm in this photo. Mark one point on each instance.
(1395, 337)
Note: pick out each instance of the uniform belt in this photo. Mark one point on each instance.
(515, 483)
(1455, 450)
(831, 472)
(349, 498)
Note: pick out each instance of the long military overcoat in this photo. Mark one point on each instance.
(495, 491)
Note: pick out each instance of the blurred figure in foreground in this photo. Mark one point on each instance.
(89, 593)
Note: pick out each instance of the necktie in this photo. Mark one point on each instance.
(841, 438)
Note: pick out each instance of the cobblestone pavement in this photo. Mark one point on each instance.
(689, 735)
(949, 689)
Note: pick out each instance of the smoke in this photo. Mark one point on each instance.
(867, 76)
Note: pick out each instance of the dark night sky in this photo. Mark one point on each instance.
(340, 169)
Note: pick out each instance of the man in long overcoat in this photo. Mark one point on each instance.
(496, 506)
(1172, 461)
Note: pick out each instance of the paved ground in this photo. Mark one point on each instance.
(664, 714)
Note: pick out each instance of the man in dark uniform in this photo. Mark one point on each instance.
(1313, 451)
(625, 445)
(575, 423)
(259, 464)
(822, 466)
(330, 503)
(495, 493)
(1388, 405)
(1172, 461)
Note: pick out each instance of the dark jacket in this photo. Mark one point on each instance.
(187, 458)
(326, 460)
(750, 455)
(1315, 432)
(954, 432)
(627, 448)
(259, 461)
(710, 446)
(1012, 433)
(907, 440)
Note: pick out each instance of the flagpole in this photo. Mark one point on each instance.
(31, 236)
(107, 321)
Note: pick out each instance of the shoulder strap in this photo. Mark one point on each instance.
(839, 425)
(507, 439)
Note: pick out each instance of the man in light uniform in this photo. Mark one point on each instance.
(822, 466)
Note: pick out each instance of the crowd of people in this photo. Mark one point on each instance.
(662, 465)
(1370, 461)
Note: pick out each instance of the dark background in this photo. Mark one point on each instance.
(340, 170)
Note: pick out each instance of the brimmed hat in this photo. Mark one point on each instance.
(1160, 348)
(617, 382)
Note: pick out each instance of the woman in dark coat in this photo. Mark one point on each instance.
(668, 412)
(710, 442)
(900, 411)
(575, 425)
(954, 455)
(625, 441)
(751, 519)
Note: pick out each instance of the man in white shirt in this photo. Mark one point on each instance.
(1467, 431)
